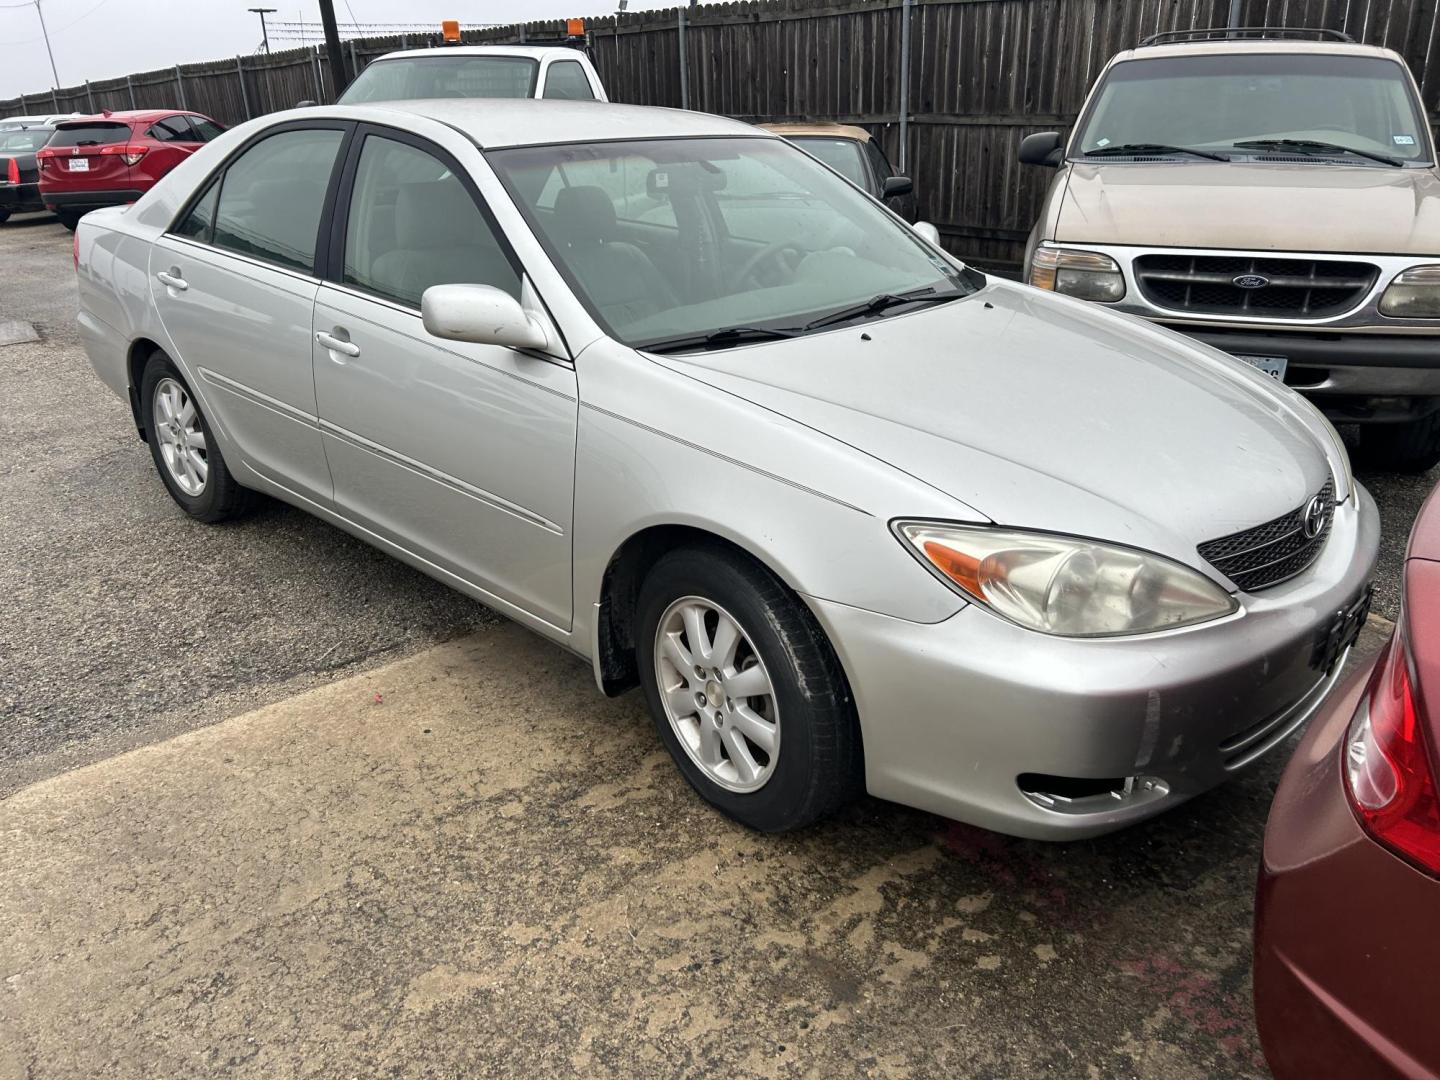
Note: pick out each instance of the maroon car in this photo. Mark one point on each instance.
(1347, 923)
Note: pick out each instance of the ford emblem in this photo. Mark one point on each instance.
(1250, 281)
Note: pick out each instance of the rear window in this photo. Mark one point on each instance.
(443, 77)
(30, 139)
(97, 134)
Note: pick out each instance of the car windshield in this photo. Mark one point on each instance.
(29, 139)
(413, 78)
(671, 239)
(842, 155)
(1214, 102)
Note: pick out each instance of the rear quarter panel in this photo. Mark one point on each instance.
(114, 293)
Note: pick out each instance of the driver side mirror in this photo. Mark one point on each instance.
(1042, 148)
(926, 231)
(897, 185)
(481, 315)
(306, 104)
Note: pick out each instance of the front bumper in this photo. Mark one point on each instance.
(20, 198)
(89, 200)
(1345, 952)
(954, 714)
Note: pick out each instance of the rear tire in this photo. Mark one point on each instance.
(4, 216)
(1413, 447)
(720, 697)
(184, 450)
(68, 218)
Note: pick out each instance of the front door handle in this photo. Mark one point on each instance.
(337, 345)
(173, 279)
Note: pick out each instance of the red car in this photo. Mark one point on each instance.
(1347, 923)
(115, 157)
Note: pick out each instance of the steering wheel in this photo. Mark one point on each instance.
(769, 253)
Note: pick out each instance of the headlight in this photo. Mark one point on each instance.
(1414, 294)
(1064, 585)
(1086, 275)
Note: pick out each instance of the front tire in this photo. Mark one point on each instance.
(745, 690)
(184, 450)
(1412, 447)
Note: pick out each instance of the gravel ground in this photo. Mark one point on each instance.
(125, 621)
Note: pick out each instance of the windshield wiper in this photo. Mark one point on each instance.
(721, 339)
(1315, 146)
(882, 302)
(1141, 149)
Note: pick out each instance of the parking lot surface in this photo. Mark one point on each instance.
(464, 861)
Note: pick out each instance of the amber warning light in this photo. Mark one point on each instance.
(450, 31)
(575, 27)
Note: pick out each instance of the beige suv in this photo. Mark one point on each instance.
(1275, 198)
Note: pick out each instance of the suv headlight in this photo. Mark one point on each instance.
(1414, 294)
(1065, 585)
(1085, 275)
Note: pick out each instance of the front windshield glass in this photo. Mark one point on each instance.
(414, 78)
(842, 155)
(670, 238)
(27, 140)
(1214, 102)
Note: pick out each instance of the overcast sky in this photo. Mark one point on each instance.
(100, 39)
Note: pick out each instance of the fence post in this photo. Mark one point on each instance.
(89, 97)
(315, 72)
(244, 93)
(904, 83)
(354, 61)
(23, 109)
(684, 62)
(1234, 13)
(180, 86)
(130, 89)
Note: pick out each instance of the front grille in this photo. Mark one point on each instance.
(1296, 289)
(1275, 551)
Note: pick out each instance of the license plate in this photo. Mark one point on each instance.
(1341, 632)
(1274, 366)
(79, 164)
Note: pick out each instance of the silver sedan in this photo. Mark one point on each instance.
(668, 391)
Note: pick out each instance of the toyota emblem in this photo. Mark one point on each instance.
(1312, 521)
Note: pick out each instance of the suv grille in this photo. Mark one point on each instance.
(1276, 551)
(1294, 288)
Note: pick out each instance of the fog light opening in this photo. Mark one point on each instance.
(1086, 794)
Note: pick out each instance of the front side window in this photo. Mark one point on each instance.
(412, 224)
(842, 155)
(566, 80)
(272, 195)
(1219, 103)
(668, 239)
(413, 78)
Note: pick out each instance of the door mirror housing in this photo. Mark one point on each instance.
(1042, 148)
(927, 231)
(481, 315)
(897, 185)
(306, 104)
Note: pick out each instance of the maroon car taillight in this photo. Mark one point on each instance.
(130, 153)
(1388, 770)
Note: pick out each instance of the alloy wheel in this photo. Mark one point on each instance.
(179, 436)
(717, 694)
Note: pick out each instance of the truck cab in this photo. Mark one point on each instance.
(1273, 194)
(478, 71)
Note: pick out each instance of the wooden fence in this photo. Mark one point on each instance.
(980, 75)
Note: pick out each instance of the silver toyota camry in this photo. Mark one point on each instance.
(668, 391)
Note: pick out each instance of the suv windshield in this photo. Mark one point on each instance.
(1214, 102)
(726, 239)
(416, 77)
(96, 134)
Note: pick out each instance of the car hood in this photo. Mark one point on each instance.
(1331, 208)
(1043, 412)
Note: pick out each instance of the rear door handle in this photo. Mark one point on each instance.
(173, 279)
(337, 345)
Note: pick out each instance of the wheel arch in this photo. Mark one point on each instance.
(141, 349)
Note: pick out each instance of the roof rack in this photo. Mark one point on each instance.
(1245, 33)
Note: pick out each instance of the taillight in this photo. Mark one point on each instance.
(13, 172)
(130, 153)
(75, 250)
(1387, 762)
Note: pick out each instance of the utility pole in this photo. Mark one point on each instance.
(48, 49)
(264, 33)
(338, 75)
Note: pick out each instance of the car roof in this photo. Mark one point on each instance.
(532, 52)
(833, 131)
(1252, 46)
(126, 116)
(500, 122)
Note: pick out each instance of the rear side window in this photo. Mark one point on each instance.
(566, 80)
(198, 222)
(271, 197)
(96, 134)
(413, 224)
(206, 129)
(171, 129)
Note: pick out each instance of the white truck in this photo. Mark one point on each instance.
(478, 71)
